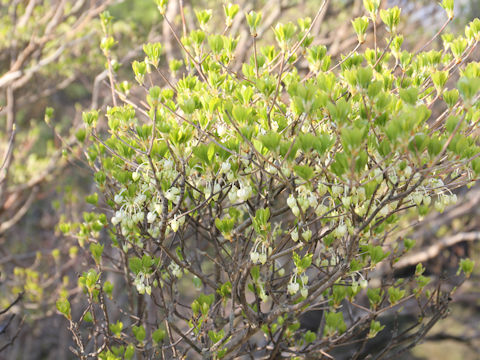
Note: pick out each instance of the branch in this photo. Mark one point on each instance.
(435, 249)
(19, 297)
(4, 226)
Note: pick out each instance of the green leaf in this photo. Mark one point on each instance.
(376, 254)
(360, 25)
(88, 317)
(384, 148)
(340, 165)
(409, 95)
(81, 135)
(466, 266)
(451, 97)
(391, 18)
(418, 143)
(147, 262)
(116, 328)
(216, 336)
(158, 335)
(434, 146)
(448, 5)
(230, 11)
(140, 70)
(339, 292)
(334, 322)
(96, 250)
(372, 7)
(225, 290)
(476, 166)
(374, 296)
(439, 79)
(375, 328)
(307, 141)
(364, 76)
(135, 265)
(255, 273)
(202, 152)
(216, 43)
(395, 295)
(253, 20)
(139, 333)
(260, 222)
(225, 225)
(63, 306)
(422, 281)
(203, 17)
(92, 199)
(361, 161)
(129, 352)
(271, 140)
(108, 288)
(90, 118)
(458, 47)
(304, 171)
(310, 337)
(153, 52)
(408, 243)
(468, 88)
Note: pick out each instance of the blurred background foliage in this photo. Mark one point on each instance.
(50, 57)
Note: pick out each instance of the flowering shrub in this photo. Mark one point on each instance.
(238, 204)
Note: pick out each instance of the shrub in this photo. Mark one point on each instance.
(239, 204)
(44, 48)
